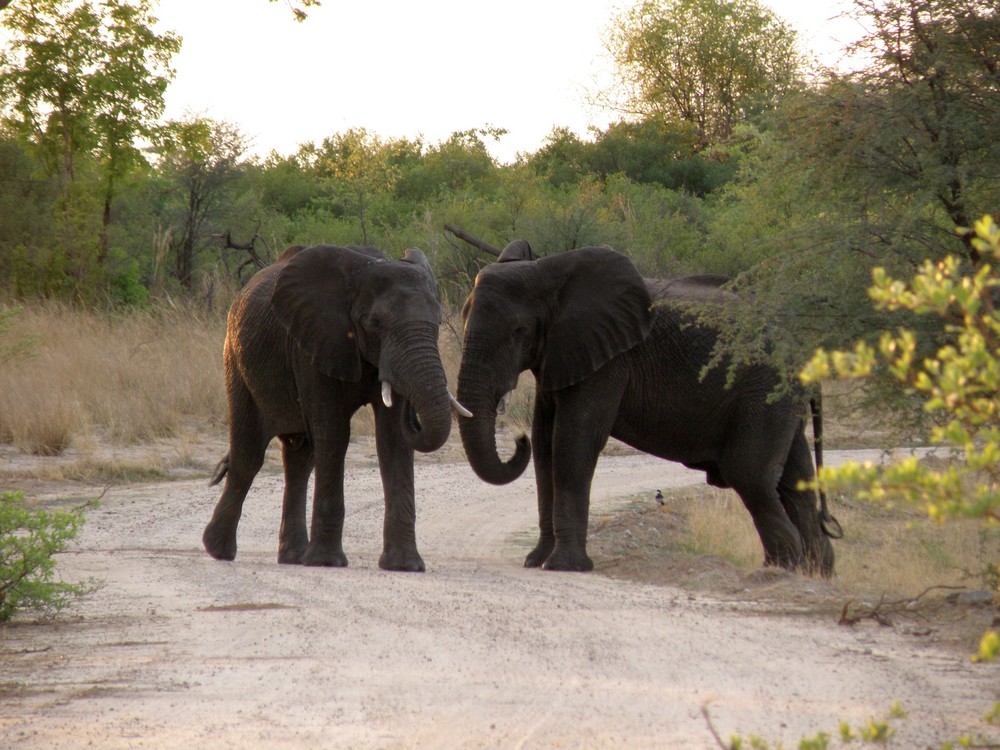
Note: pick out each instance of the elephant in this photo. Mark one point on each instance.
(310, 340)
(610, 359)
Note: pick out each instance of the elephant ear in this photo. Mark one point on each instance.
(416, 256)
(602, 309)
(517, 250)
(312, 300)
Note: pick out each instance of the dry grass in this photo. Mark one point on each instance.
(896, 551)
(127, 378)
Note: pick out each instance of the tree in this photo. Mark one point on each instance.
(127, 92)
(355, 166)
(876, 167)
(296, 8)
(563, 159)
(959, 383)
(200, 159)
(708, 63)
(918, 124)
(83, 84)
(460, 163)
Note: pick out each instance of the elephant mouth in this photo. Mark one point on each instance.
(409, 412)
(503, 403)
(456, 407)
(412, 419)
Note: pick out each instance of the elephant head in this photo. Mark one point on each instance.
(351, 310)
(562, 317)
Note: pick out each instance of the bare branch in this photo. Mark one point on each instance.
(474, 241)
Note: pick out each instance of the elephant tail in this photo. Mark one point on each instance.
(221, 469)
(831, 527)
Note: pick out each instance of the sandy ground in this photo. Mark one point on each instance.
(177, 650)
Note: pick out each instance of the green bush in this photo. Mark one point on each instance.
(28, 541)
(959, 385)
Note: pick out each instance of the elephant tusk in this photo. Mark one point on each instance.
(386, 394)
(457, 407)
(502, 406)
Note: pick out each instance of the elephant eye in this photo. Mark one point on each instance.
(374, 323)
(521, 332)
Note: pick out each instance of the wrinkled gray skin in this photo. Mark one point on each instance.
(608, 363)
(310, 340)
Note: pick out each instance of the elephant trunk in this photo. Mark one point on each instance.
(414, 371)
(478, 432)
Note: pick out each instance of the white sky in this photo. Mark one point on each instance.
(406, 69)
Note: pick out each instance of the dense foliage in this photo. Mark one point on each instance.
(796, 182)
(707, 64)
(959, 383)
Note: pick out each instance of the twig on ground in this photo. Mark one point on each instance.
(881, 612)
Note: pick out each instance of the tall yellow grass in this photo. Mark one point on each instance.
(128, 378)
(886, 548)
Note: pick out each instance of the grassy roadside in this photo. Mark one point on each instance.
(895, 567)
(103, 398)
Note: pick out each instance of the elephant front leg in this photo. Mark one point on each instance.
(293, 538)
(571, 509)
(326, 535)
(541, 452)
(579, 434)
(395, 463)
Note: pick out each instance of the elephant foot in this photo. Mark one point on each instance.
(569, 560)
(327, 558)
(408, 561)
(219, 544)
(290, 556)
(822, 560)
(537, 557)
(293, 551)
(793, 563)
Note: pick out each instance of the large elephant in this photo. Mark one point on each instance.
(607, 362)
(310, 340)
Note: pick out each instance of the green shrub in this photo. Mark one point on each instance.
(28, 541)
(959, 384)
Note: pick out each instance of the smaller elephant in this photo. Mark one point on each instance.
(311, 339)
(612, 359)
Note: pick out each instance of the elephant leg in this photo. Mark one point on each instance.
(327, 530)
(247, 445)
(781, 540)
(802, 509)
(754, 473)
(395, 464)
(752, 463)
(580, 431)
(541, 450)
(293, 538)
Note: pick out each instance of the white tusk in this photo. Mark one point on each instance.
(386, 394)
(502, 406)
(457, 407)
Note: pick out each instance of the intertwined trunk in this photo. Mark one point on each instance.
(411, 363)
(479, 438)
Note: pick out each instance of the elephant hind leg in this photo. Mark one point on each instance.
(802, 509)
(298, 459)
(219, 537)
(246, 455)
(780, 538)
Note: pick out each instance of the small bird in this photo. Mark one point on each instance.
(659, 498)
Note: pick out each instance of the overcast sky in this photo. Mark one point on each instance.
(406, 69)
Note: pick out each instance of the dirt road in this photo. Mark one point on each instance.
(177, 650)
